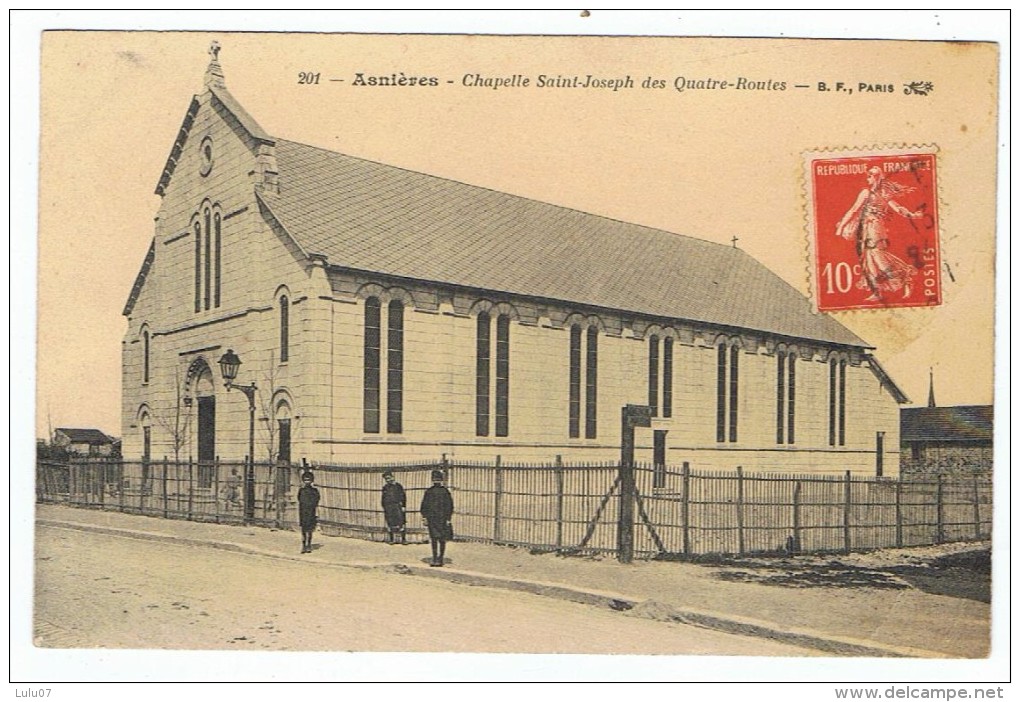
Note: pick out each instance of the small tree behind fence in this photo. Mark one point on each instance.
(679, 512)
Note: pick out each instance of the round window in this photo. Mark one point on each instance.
(206, 151)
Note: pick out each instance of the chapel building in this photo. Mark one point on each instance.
(387, 315)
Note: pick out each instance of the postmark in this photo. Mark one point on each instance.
(874, 229)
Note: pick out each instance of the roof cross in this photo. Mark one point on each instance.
(734, 241)
(214, 50)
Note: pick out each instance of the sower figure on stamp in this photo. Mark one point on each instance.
(436, 511)
(308, 503)
(864, 222)
(394, 504)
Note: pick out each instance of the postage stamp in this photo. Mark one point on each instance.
(874, 229)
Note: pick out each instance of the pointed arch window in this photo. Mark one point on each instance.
(667, 377)
(207, 227)
(575, 382)
(284, 328)
(198, 266)
(217, 248)
(590, 358)
(653, 374)
(377, 401)
(395, 368)
(786, 395)
(660, 375)
(484, 410)
(372, 352)
(145, 356)
(208, 257)
(503, 375)
(483, 355)
(727, 391)
(837, 401)
(591, 383)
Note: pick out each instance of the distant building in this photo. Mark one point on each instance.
(86, 442)
(954, 441)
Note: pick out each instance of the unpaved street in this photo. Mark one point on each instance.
(96, 590)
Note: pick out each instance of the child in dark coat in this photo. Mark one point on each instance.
(308, 503)
(436, 511)
(394, 504)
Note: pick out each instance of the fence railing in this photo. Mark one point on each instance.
(569, 508)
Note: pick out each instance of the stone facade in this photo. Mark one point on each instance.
(319, 388)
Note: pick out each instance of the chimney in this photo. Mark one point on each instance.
(931, 388)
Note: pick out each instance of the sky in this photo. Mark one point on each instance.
(710, 164)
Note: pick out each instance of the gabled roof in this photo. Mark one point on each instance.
(887, 382)
(372, 217)
(233, 106)
(376, 218)
(85, 436)
(972, 423)
(143, 273)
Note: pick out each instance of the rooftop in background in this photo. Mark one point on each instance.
(963, 423)
(84, 436)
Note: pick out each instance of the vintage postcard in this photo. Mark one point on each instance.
(644, 345)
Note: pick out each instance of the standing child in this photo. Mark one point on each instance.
(394, 504)
(436, 511)
(308, 503)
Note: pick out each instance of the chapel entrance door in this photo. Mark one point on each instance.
(206, 440)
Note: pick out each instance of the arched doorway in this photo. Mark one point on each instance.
(203, 389)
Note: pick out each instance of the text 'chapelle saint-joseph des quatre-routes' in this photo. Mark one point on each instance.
(590, 81)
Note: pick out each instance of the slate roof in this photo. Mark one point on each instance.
(971, 423)
(373, 217)
(85, 436)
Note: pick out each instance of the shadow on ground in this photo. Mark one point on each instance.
(966, 574)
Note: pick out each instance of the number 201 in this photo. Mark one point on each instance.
(304, 78)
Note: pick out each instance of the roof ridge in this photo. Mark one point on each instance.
(420, 226)
(522, 197)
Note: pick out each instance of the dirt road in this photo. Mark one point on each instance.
(96, 590)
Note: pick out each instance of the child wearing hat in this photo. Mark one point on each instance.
(394, 504)
(308, 503)
(436, 511)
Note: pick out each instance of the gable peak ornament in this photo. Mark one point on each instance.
(214, 73)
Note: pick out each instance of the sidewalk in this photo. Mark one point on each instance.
(859, 621)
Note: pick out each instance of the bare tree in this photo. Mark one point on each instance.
(268, 425)
(176, 420)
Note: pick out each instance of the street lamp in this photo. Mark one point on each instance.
(230, 363)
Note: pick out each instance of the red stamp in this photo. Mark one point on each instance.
(875, 231)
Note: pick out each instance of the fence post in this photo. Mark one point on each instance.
(685, 508)
(740, 510)
(939, 516)
(166, 506)
(191, 489)
(977, 511)
(73, 483)
(796, 517)
(846, 512)
(497, 500)
(216, 488)
(120, 486)
(278, 493)
(899, 512)
(631, 416)
(559, 502)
